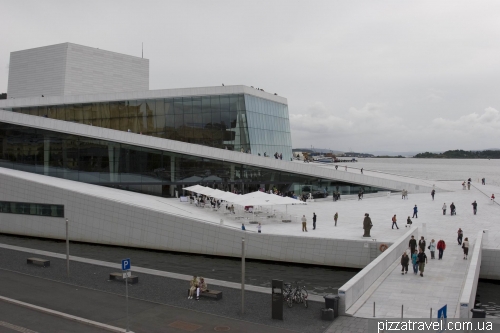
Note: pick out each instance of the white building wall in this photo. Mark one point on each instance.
(71, 69)
(37, 72)
(98, 218)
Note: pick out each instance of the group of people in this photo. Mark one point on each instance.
(453, 209)
(418, 257)
(314, 219)
(196, 285)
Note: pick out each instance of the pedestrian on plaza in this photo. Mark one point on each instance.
(346, 168)
(359, 195)
(259, 228)
(474, 207)
(361, 170)
(243, 227)
(453, 209)
(444, 208)
(421, 244)
(394, 222)
(336, 167)
(412, 244)
(483, 181)
(468, 183)
(493, 198)
(463, 186)
(408, 222)
(414, 261)
(314, 221)
(432, 248)
(441, 246)
(335, 218)
(415, 211)
(465, 246)
(460, 234)
(405, 260)
(422, 260)
(304, 223)
(433, 192)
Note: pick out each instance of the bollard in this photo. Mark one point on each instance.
(401, 310)
(373, 309)
(431, 313)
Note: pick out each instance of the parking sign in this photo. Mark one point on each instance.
(125, 264)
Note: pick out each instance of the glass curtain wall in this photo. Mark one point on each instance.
(136, 168)
(235, 122)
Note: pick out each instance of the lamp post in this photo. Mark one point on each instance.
(67, 247)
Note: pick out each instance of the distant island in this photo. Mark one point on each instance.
(387, 156)
(495, 154)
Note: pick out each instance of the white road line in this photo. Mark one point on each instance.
(16, 328)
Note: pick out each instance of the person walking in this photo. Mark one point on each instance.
(432, 248)
(414, 261)
(441, 246)
(335, 218)
(412, 244)
(460, 234)
(336, 167)
(408, 222)
(465, 246)
(421, 244)
(444, 208)
(259, 228)
(243, 227)
(415, 211)
(394, 222)
(468, 183)
(405, 260)
(474, 207)
(452, 209)
(433, 192)
(422, 260)
(361, 170)
(493, 198)
(304, 223)
(483, 181)
(314, 221)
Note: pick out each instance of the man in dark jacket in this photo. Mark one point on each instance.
(421, 244)
(474, 207)
(314, 221)
(415, 211)
(405, 260)
(412, 244)
(422, 260)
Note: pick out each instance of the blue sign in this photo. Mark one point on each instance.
(442, 313)
(125, 264)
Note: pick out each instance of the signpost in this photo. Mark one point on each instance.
(442, 315)
(126, 274)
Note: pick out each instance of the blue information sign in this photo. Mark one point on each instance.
(125, 264)
(442, 313)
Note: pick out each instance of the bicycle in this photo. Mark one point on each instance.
(295, 295)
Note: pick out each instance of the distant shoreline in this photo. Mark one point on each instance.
(462, 154)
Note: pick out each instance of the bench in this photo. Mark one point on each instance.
(118, 276)
(210, 293)
(38, 261)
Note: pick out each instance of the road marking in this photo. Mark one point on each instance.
(185, 326)
(16, 328)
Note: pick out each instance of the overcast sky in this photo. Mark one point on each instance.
(358, 75)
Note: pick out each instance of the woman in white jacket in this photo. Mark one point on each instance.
(465, 246)
(444, 209)
(432, 248)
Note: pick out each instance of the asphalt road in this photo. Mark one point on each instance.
(14, 318)
(102, 307)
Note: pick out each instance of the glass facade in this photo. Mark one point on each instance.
(31, 209)
(137, 168)
(236, 122)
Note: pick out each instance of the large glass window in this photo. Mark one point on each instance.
(31, 209)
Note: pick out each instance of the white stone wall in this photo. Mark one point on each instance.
(469, 289)
(99, 218)
(355, 288)
(90, 71)
(71, 69)
(490, 264)
(37, 72)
